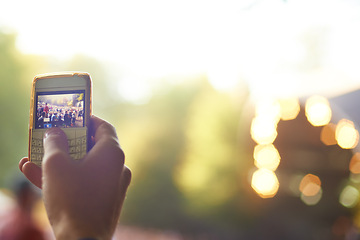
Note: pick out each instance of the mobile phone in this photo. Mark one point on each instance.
(60, 100)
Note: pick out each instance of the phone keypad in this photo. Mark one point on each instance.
(77, 142)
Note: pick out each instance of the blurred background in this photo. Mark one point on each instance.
(239, 119)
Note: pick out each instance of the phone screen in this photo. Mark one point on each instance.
(63, 109)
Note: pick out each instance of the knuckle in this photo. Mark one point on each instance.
(127, 174)
(108, 127)
(115, 150)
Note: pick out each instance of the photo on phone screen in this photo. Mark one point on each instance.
(60, 109)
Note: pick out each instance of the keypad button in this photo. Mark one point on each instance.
(71, 149)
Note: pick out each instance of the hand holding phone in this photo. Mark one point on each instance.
(83, 189)
(83, 199)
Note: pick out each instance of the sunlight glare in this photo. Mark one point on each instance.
(265, 183)
(223, 78)
(269, 108)
(266, 156)
(346, 135)
(134, 89)
(318, 111)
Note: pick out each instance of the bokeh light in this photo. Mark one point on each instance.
(318, 111)
(349, 196)
(354, 165)
(312, 200)
(270, 108)
(290, 108)
(354, 177)
(346, 135)
(266, 156)
(263, 130)
(327, 135)
(265, 183)
(310, 185)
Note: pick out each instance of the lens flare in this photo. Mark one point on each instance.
(266, 156)
(265, 183)
(318, 111)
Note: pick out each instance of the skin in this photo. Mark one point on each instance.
(82, 198)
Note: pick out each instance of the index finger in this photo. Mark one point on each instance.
(101, 129)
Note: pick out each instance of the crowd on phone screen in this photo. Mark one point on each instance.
(57, 116)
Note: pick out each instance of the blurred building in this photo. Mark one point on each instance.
(307, 171)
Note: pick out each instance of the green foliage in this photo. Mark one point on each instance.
(14, 106)
(182, 134)
(154, 144)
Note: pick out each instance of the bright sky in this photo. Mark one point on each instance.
(259, 41)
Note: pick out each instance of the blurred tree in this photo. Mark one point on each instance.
(14, 105)
(154, 144)
(211, 150)
(183, 149)
(212, 171)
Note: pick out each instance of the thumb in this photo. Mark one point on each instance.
(56, 150)
(55, 140)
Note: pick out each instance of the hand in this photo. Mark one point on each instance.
(82, 198)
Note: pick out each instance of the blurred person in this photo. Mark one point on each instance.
(83, 198)
(46, 109)
(18, 222)
(73, 118)
(67, 119)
